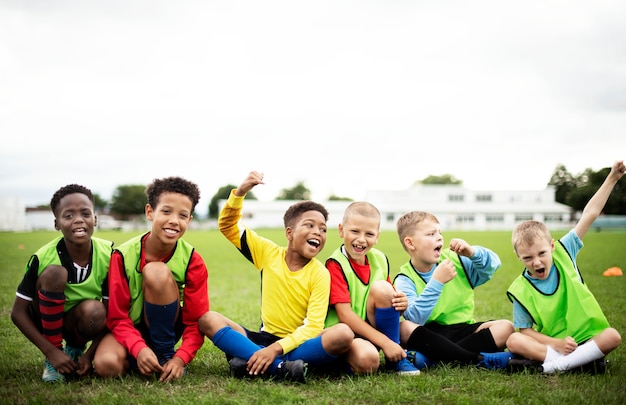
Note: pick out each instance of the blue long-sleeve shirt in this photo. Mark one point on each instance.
(480, 269)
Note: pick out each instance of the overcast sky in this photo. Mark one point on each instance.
(346, 96)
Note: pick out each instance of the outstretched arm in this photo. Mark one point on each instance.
(594, 207)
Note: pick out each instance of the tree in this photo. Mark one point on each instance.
(100, 203)
(443, 179)
(222, 194)
(563, 181)
(576, 191)
(129, 200)
(337, 198)
(298, 192)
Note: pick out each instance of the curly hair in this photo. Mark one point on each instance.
(296, 210)
(173, 185)
(69, 189)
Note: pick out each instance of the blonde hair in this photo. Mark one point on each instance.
(527, 232)
(407, 223)
(361, 208)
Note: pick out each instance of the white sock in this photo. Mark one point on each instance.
(582, 355)
(551, 355)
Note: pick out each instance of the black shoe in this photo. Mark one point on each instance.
(239, 367)
(516, 365)
(594, 367)
(294, 371)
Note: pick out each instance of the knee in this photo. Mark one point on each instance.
(209, 323)
(157, 276)
(92, 320)
(382, 293)
(108, 365)
(337, 339)
(612, 338)
(53, 278)
(366, 363)
(514, 342)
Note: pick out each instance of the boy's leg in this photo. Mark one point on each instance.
(586, 353)
(436, 347)
(83, 323)
(363, 357)
(161, 308)
(110, 359)
(50, 305)
(386, 319)
(325, 348)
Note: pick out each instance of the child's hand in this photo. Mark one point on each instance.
(173, 369)
(61, 362)
(147, 362)
(566, 346)
(618, 169)
(253, 179)
(260, 361)
(399, 301)
(461, 247)
(444, 272)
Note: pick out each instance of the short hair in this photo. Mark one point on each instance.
(362, 208)
(172, 184)
(69, 189)
(296, 210)
(410, 220)
(528, 232)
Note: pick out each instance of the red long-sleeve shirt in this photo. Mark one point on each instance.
(195, 304)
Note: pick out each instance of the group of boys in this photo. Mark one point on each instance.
(121, 309)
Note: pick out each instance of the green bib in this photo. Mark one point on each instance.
(91, 288)
(456, 302)
(131, 253)
(571, 310)
(379, 270)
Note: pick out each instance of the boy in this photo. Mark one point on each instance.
(294, 296)
(362, 296)
(571, 329)
(158, 290)
(60, 296)
(439, 284)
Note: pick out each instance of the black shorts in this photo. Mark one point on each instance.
(454, 332)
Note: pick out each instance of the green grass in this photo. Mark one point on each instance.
(234, 291)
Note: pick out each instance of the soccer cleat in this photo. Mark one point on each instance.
(495, 361)
(239, 367)
(75, 353)
(594, 367)
(519, 364)
(405, 368)
(292, 370)
(418, 359)
(50, 374)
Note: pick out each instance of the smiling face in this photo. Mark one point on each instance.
(359, 234)
(170, 217)
(537, 257)
(75, 218)
(307, 236)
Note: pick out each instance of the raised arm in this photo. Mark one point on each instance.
(594, 207)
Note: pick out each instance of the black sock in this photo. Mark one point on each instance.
(481, 341)
(438, 348)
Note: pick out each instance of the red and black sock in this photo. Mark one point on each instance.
(51, 306)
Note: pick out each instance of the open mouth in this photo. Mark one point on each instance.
(314, 242)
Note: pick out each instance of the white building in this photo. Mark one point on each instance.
(456, 207)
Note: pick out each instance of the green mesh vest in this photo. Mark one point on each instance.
(131, 252)
(456, 302)
(571, 310)
(91, 288)
(379, 270)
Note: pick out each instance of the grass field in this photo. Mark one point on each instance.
(234, 291)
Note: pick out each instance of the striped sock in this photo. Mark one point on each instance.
(51, 307)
